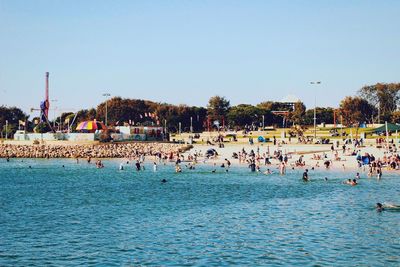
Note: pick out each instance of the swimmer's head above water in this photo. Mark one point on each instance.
(379, 207)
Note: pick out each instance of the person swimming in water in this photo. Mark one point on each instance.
(348, 181)
(379, 207)
(387, 206)
(178, 168)
(267, 172)
(354, 182)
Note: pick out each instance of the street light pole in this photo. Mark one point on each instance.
(6, 129)
(191, 124)
(315, 111)
(263, 124)
(379, 114)
(106, 95)
(165, 129)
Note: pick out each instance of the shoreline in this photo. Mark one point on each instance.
(171, 151)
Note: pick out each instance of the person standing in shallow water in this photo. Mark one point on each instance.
(305, 176)
(252, 166)
(137, 164)
(154, 166)
(282, 168)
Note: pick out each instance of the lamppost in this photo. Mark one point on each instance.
(106, 95)
(263, 122)
(191, 124)
(6, 129)
(315, 110)
(165, 129)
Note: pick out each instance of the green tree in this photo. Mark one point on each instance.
(269, 107)
(244, 114)
(13, 115)
(356, 110)
(395, 118)
(122, 110)
(323, 115)
(384, 96)
(297, 115)
(217, 107)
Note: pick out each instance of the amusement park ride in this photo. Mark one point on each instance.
(45, 107)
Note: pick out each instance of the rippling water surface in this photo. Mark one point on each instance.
(80, 215)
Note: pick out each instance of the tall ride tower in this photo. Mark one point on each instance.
(45, 105)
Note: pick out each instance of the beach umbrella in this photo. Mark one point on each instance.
(91, 126)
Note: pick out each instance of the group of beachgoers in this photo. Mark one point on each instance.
(126, 150)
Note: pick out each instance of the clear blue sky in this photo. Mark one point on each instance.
(187, 51)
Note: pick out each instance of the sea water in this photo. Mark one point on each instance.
(62, 213)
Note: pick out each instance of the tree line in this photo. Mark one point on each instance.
(372, 104)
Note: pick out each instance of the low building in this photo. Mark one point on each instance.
(124, 133)
(139, 133)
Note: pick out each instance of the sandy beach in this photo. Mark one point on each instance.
(313, 155)
(298, 156)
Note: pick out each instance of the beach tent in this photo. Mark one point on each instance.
(90, 126)
(261, 139)
(391, 128)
